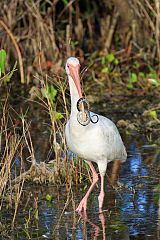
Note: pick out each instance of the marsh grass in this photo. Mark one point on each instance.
(65, 169)
(67, 28)
(11, 143)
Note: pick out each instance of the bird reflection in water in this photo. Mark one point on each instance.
(96, 228)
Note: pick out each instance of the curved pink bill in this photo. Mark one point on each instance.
(74, 73)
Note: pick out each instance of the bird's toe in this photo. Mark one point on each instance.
(82, 206)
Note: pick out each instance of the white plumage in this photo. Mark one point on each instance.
(96, 142)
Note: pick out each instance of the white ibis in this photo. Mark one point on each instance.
(92, 137)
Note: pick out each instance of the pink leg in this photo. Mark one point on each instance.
(101, 195)
(83, 203)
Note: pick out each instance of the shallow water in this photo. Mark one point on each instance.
(132, 212)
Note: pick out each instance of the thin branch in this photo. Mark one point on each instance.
(111, 31)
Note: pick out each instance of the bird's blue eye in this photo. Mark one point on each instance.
(68, 66)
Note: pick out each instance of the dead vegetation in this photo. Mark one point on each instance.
(16, 140)
(53, 30)
(15, 171)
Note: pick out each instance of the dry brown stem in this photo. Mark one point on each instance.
(17, 49)
(111, 32)
(157, 3)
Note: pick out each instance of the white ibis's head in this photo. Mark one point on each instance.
(72, 70)
(71, 63)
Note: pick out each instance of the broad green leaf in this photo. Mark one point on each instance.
(110, 57)
(49, 197)
(116, 61)
(132, 77)
(141, 74)
(49, 92)
(129, 85)
(2, 61)
(102, 60)
(152, 114)
(57, 115)
(105, 70)
(52, 92)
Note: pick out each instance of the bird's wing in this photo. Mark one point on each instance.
(112, 140)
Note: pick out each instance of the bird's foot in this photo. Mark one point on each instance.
(82, 206)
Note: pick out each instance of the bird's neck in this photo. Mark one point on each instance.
(74, 96)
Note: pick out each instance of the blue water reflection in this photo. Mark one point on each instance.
(138, 210)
